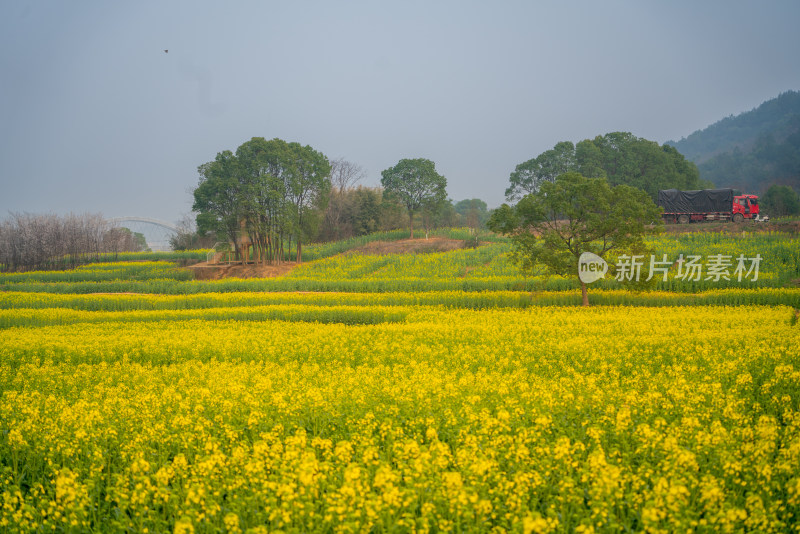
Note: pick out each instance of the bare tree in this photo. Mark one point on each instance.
(29, 241)
(187, 236)
(344, 176)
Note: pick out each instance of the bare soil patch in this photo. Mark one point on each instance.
(206, 271)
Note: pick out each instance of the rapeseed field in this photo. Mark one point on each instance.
(437, 411)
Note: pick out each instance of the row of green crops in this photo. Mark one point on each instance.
(176, 256)
(281, 312)
(325, 250)
(172, 255)
(100, 272)
(10, 301)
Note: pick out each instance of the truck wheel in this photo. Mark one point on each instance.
(738, 217)
(683, 219)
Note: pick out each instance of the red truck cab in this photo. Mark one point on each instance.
(744, 207)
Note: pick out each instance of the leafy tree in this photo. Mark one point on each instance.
(140, 242)
(265, 168)
(529, 176)
(780, 200)
(366, 213)
(361, 210)
(627, 159)
(621, 157)
(217, 197)
(573, 215)
(269, 191)
(137, 240)
(309, 189)
(393, 214)
(438, 214)
(416, 184)
(473, 212)
(589, 159)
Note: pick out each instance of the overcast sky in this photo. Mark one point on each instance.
(96, 117)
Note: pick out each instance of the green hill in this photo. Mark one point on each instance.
(752, 150)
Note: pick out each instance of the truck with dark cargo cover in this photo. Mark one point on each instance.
(683, 207)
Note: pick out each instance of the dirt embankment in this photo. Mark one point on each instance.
(206, 271)
(218, 271)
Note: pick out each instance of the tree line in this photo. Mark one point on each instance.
(29, 241)
(356, 210)
(273, 196)
(270, 197)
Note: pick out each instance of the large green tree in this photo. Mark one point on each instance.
(268, 191)
(217, 197)
(309, 190)
(627, 159)
(265, 169)
(529, 176)
(416, 184)
(439, 214)
(473, 212)
(621, 157)
(365, 212)
(573, 215)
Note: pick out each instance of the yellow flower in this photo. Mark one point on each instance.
(183, 526)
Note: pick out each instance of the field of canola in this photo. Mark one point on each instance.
(427, 411)
(480, 269)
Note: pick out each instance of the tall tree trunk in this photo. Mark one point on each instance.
(236, 251)
(585, 294)
(299, 254)
(411, 222)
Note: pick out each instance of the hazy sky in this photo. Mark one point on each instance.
(95, 116)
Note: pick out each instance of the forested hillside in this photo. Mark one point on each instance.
(750, 151)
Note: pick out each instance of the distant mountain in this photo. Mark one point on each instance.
(750, 151)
